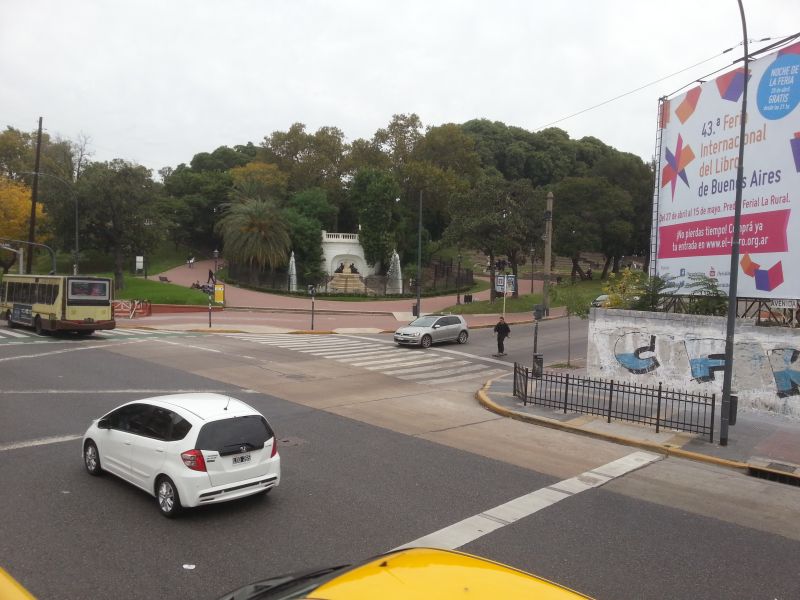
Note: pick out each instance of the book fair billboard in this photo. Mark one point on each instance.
(695, 201)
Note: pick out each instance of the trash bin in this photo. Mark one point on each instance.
(467, 298)
(538, 364)
(414, 310)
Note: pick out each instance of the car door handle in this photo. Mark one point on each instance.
(128, 443)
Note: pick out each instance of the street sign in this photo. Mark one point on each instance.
(219, 293)
(140, 263)
(783, 303)
(500, 284)
(312, 290)
(511, 283)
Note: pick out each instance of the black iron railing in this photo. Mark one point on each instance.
(657, 405)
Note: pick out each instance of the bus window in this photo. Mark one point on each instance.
(84, 290)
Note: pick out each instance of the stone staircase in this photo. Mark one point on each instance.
(347, 283)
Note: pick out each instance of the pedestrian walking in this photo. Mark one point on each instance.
(503, 331)
(211, 277)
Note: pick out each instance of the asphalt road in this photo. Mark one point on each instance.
(370, 462)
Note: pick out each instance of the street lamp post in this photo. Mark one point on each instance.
(216, 256)
(419, 255)
(548, 240)
(458, 280)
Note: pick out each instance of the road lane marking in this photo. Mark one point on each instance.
(39, 442)
(402, 362)
(476, 526)
(129, 391)
(54, 352)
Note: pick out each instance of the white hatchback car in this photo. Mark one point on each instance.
(186, 449)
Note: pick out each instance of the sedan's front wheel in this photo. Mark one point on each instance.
(169, 503)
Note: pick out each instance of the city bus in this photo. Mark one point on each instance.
(57, 303)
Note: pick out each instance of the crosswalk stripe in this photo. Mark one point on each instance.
(468, 367)
(422, 367)
(16, 334)
(355, 354)
(332, 347)
(385, 361)
(468, 376)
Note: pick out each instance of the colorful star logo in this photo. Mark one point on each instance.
(676, 165)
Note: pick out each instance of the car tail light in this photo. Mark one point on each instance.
(194, 460)
(274, 447)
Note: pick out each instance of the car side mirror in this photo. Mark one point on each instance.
(103, 424)
(436, 326)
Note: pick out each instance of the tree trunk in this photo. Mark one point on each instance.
(491, 277)
(569, 340)
(616, 265)
(607, 264)
(119, 277)
(514, 270)
(576, 268)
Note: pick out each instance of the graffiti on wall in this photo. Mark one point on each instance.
(636, 358)
(636, 352)
(785, 363)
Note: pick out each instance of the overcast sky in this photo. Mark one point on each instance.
(156, 82)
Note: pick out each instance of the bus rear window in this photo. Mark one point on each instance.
(87, 290)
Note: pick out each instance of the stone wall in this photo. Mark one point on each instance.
(688, 352)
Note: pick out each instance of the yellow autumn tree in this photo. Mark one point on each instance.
(15, 211)
(258, 181)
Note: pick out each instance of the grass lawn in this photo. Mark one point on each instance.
(137, 288)
(525, 302)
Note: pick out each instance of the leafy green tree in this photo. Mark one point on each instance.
(625, 289)
(374, 194)
(221, 159)
(120, 212)
(313, 203)
(576, 304)
(306, 241)
(706, 298)
(255, 233)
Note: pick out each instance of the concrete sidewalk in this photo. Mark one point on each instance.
(762, 444)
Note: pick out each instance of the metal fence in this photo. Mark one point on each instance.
(657, 406)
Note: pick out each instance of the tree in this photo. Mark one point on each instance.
(478, 219)
(313, 203)
(576, 305)
(120, 212)
(254, 233)
(15, 210)
(259, 180)
(374, 194)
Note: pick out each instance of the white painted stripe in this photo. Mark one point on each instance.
(439, 362)
(445, 380)
(474, 527)
(185, 345)
(383, 364)
(374, 355)
(333, 347)
(385, 359)
(439, 373)
(54, 352)
(355, 354)
(440, 349)
(16, 334)
(39, 442)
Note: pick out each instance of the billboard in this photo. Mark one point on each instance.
(695, 199)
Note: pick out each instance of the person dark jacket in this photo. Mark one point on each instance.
(503, 331)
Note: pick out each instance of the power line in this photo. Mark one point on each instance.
(783, 39)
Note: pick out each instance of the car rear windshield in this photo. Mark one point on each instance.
(228, 436)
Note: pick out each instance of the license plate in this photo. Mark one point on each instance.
(237, 460)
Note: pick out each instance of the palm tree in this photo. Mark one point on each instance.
(254, 233)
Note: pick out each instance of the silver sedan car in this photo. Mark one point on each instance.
(432, 329)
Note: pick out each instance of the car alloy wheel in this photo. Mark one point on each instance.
(462, 337)
(91, 459)
(426, 341)
(168, 501)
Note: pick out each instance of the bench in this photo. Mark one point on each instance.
(164, 279)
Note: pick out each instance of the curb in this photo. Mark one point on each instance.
(487, 403)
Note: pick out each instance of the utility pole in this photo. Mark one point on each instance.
(419, 255)
(34, 199)
(727, 372)
(548, 241)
